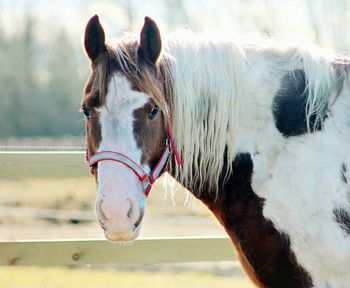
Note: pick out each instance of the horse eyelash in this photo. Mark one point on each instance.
(85, 110)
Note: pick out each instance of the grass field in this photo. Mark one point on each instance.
(162, 218)
(91, 278)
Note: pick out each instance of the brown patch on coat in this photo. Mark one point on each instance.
(92, 100)
(265, 253)
(93, 133)
(149, 134)
(342, 217)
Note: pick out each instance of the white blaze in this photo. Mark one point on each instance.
(120, 199)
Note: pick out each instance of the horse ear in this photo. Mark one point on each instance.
(150, 42)
(94, 40)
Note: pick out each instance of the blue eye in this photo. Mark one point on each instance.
(153, 113)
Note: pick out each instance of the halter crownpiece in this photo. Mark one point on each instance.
(146, 179)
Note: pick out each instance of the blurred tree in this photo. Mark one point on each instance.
(28, 105)
(176, 13)
(17, 83)
(328, 21)
(129, 7)
(64, 88)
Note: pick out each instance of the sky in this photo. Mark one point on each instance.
(325, 22)
(223, 15)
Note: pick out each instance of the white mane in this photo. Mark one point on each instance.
(208, 83)
(207, 86)
(320, 81)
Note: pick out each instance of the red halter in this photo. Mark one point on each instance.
(146, 180)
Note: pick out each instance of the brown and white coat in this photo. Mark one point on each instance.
(262, 131)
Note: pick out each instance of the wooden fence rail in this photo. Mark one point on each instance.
(143, 251)
(17, 164)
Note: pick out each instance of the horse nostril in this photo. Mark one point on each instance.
(138, 222)
(100, 209)
(120, 215)
(130, 211)
(135, 213)
(102, 225)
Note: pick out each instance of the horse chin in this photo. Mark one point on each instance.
(126, 238)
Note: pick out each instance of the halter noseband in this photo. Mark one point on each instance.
(146, 179)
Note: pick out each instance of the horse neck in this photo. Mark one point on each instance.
(221, 98)
(208, 84)
(222, 102)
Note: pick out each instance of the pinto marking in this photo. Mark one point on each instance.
(289, 106)
(240, 210)
(262, 130)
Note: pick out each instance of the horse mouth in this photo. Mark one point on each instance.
(121, 238)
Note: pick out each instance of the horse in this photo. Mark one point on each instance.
(258, 132)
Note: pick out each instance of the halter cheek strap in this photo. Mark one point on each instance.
(146, 179)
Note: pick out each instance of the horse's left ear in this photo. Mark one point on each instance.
(150, 42)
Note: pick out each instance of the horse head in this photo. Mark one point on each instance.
(126, 127)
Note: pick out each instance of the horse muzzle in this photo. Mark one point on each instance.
(121, 217)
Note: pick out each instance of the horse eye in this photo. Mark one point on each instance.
(153, 113)
(85, 111)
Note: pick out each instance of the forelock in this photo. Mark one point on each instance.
(122, 56)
